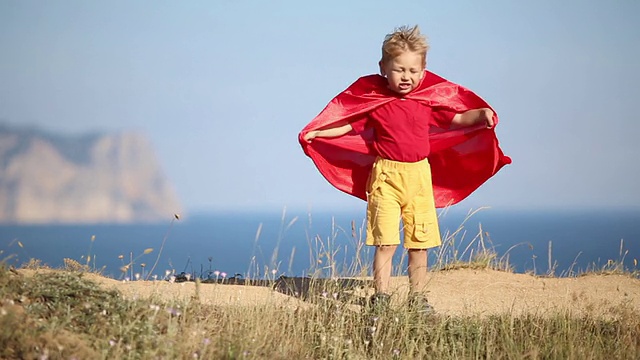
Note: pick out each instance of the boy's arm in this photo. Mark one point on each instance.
(474, 117)
(335, 130)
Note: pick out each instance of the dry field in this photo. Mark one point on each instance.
(454, 292)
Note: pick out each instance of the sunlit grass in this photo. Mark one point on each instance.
(60, 314)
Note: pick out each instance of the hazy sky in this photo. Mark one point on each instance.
(222, 88)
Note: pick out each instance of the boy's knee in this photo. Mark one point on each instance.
(386, 248)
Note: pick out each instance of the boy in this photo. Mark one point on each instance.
(393, 130)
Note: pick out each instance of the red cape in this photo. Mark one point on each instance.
(461, 159)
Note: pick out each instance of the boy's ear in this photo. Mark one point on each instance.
(424, 69)
(381, 68)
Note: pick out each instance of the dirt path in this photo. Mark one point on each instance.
(456, 292)
(491, 292)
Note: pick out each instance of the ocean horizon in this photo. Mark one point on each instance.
(295, 243)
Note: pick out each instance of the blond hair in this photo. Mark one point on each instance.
(404, 39)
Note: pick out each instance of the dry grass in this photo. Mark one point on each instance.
(75, 313)
(61, 314)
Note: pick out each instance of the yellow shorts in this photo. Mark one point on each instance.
(399, 189)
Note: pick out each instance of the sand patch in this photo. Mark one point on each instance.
(456, 292)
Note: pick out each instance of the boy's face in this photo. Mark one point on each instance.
(403, 72)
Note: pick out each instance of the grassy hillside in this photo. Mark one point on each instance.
(62, 314)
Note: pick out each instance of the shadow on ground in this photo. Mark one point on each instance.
(305, 288)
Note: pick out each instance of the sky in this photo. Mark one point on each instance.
(223, 87)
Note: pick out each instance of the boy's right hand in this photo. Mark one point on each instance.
(308, 137)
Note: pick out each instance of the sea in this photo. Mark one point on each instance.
(272, 244)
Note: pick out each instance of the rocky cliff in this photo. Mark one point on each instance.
(95, 178)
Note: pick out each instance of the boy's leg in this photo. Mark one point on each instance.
(382, 260)
(417, 270)
(421, 231)
(418, 281)
(383, 220)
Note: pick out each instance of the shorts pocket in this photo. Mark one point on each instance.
(425, 227)
(375, 181)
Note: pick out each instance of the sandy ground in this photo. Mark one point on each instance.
(455, 292)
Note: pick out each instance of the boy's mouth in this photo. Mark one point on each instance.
(404, 86)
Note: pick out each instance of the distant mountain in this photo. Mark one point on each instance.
(93, 178)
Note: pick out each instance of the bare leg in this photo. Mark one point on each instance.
(382, 267)
(417, 270)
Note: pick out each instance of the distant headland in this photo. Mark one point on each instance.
(89, 178)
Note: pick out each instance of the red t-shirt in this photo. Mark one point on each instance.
(401, 128)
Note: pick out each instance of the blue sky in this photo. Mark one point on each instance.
(223, 87)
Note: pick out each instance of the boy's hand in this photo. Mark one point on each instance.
(482, 116)
(486, 116)
(308, 137)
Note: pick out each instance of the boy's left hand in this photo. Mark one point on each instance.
(486, 116)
